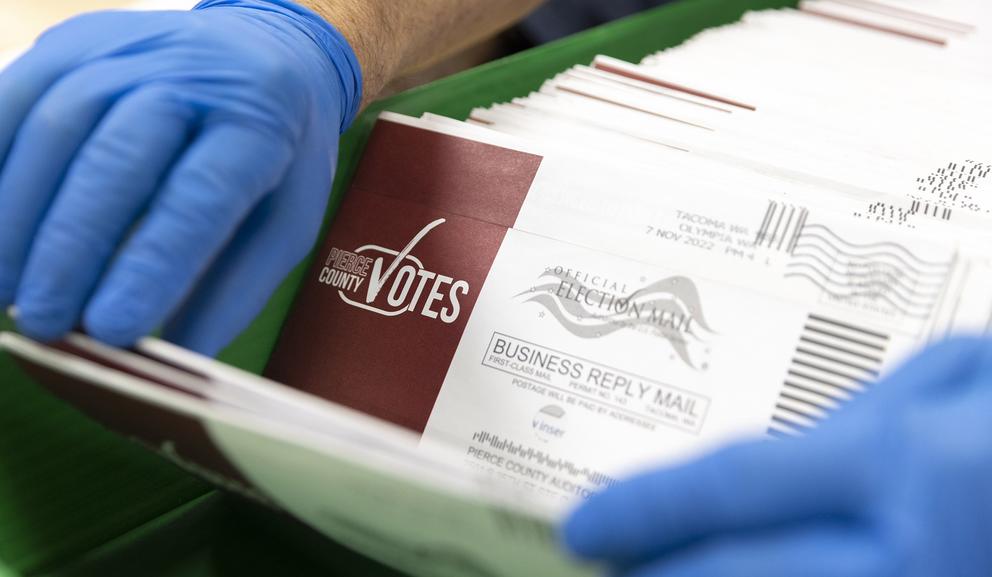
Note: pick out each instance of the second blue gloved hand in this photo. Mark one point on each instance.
(899, 484)
(167, 165)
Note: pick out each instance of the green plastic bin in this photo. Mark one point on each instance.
(76, 500)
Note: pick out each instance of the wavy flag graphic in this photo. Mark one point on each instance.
(652, 307)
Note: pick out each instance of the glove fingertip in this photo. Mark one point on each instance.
(113, 320)
(42, 320)
(187, 331)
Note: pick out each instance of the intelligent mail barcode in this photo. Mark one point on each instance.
(541, 458)
(833, 361)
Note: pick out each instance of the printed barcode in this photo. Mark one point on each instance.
(781, 227)
(833, 361)
(543, 459)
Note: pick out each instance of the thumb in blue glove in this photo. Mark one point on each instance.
(168, 165)
(899, 484)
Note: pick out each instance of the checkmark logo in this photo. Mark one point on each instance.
(403, 281)
(377, 283)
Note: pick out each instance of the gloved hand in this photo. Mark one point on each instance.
(167, 165)
(898, 484)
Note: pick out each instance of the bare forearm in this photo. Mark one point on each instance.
(391, 37)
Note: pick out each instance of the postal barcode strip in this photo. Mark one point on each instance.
(541, 458)
(841, 337)
(815, 395)
(796, 415)
(820, 407)
(789, 425)
(854, 382)
(934, 210)
(781, 227)
(840, 349)
(830, 388)
(832, 362)
(799, 409)
(849, 328)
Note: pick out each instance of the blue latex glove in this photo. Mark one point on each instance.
(899, 484)
(167, 165)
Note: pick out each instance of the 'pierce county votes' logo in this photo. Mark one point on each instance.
(592, 307)
(391, 283)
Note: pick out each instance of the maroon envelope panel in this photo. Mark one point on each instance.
(380, 341)
(457, 175)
